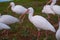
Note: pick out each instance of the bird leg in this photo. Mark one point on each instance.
(23, 15)
(6, 9)
(38, 35)
(13, 14)
(49, 2)
(5, 32)
(48, 16)
(46, 35)
(58, 18)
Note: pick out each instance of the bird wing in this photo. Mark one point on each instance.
(47, 10)
(56, 8)
(4, 26)
(42, 23)
(19, 9)
(8, 19)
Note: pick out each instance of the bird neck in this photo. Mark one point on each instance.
(30, 15)
(53, 2)
(12, 6)
(0, 15)
(59, 24)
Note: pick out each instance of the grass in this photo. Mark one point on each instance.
(26, 30)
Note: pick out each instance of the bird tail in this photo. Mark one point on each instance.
(7, 27)
(53, 29)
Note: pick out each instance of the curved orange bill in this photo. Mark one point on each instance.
(49, 2)
(23, 15)
(8, 7)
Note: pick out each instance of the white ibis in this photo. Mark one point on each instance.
(8, 19)
(47, 8)
(55, 9)
(18, 9)
(58, 33)
(39, 21)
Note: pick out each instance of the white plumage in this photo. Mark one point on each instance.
(53, 2)
(58, 33)
(4, 26)
(39, 21)
(51, 9)
(56, 8)
(8, 19)
(47, 9)
(18, 9)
